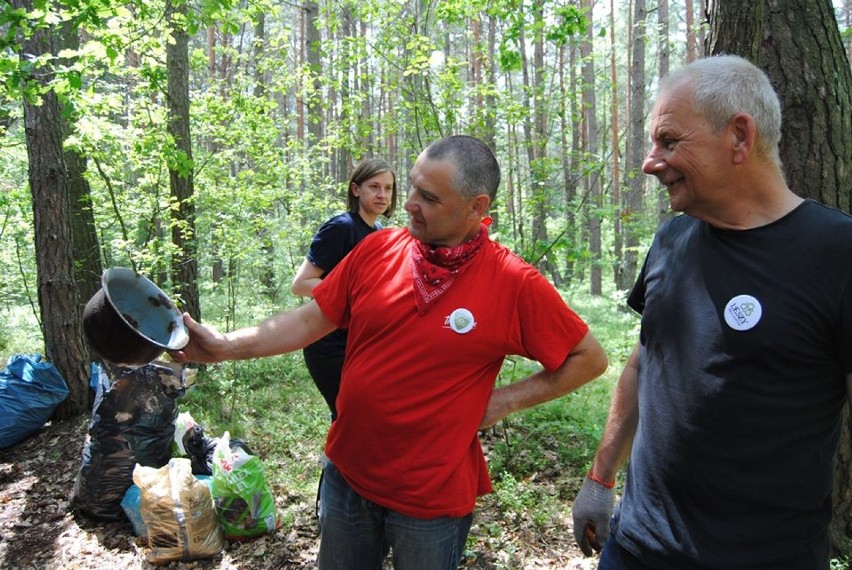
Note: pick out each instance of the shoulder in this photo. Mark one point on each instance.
(336, 223)
(836, 219)
(386, 239)
(508, 267)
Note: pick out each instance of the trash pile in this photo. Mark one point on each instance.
(185, 492)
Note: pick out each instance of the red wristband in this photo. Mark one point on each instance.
(604, 484)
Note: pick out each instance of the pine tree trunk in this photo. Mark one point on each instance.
(798, 44)
(184, 260)
(59, 301)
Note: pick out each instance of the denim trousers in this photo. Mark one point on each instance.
(614, 557)
(357, 534)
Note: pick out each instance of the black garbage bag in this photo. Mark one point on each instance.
(200, 449)
(132, 422)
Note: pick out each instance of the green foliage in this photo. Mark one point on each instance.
(274, 407)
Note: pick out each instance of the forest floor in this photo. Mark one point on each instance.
(38, 532)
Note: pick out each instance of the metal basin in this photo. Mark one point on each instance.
(130, 321)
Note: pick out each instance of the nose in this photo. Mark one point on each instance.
(653, 162)
(409, 203)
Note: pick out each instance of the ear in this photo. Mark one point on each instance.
(479, 206)
(743, 132)
(354, 189)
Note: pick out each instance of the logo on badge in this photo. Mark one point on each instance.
(743, 312)
(461, 321)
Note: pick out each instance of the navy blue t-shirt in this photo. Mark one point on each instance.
(334, 239)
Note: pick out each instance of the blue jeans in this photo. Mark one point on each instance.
(614, 557)
(357, 534)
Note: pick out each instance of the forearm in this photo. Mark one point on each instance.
(306, 279)
(279, 334)
(586, 362)
(621, 423)
(282, 333)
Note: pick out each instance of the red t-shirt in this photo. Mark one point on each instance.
(415, 388)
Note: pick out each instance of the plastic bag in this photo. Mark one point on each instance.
(200, 449)
(244, 502)
(178, 513)
(183, 422)
(30, 390)
(131, 504)
(132, 422)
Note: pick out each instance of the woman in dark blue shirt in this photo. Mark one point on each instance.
(371, 193)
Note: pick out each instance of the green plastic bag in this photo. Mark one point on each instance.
(244, 502)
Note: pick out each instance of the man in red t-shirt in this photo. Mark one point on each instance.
(432, 311)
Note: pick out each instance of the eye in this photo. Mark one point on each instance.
(669, 143)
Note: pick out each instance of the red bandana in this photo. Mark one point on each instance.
(435, 268)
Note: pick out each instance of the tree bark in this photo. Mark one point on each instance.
(58, 297)
(184, 260)
(635, 184)
(798, 44)
(593, 220)
(85, 245)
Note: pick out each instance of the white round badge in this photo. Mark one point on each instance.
(743, 312)
(461, 321)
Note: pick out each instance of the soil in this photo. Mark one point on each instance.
(37, 530)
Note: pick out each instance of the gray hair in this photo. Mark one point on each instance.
(477, 171)
(725, 85)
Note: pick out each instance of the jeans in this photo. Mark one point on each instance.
(357, 534)
(614, 557)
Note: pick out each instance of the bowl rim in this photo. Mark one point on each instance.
(109, 275)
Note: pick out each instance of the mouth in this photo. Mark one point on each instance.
(668, 185)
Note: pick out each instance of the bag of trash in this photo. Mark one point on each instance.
(178, 513)
(132, 422)
(183, 422)
(132, 501)
(30, 389)
(244, 502)
(200, 448)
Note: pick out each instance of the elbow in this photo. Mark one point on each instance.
(600, 363)
(300, 288)
(595, 359)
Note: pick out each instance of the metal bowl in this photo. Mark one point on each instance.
(130, 321)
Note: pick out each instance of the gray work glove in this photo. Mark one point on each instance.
(592, 511)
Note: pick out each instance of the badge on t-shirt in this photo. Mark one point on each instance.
(461, 321)
(743, 312)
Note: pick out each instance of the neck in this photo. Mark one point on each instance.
(755, 201)
(370, 219)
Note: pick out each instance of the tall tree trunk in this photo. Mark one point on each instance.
(536, 143)
(59, 300)
(691, 43)
(567, 102)
(615, 199)
(185, 259)
(87, 256)
(798, 44)
(634, 198)
(314, 91)
(593, 182)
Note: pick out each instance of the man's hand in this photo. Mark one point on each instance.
(205, 343)
(592, 511)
